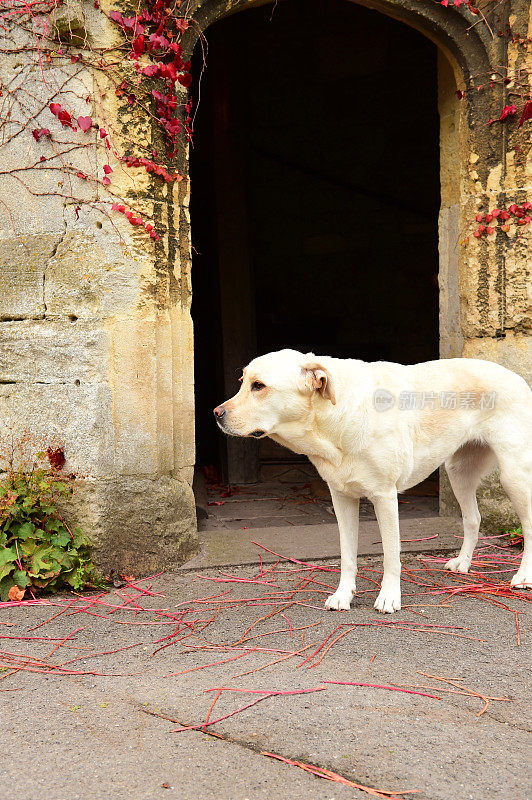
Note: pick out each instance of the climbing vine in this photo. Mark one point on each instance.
(56, 102)
(514, 114)
(78, 154)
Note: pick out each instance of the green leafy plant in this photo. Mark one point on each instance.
(516, 535)
(37, 548)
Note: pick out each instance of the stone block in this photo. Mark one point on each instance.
(22, 264)
(137, 525)
(514, 351)
(80, 418)
(53, 352)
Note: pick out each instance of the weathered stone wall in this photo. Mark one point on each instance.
(486, 283)
(96, 340)
(95, 333)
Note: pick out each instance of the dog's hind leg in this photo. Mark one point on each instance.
(517, 483)
(465, 469)
(347, 511)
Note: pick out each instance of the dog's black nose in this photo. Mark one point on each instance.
(219, 412)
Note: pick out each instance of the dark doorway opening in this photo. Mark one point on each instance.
(314, 201)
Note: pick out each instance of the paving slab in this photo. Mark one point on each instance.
(220, 547)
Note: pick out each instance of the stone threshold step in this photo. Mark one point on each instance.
(318, 542)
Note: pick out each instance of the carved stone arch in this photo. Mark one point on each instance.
(471, 45)
(471, 49)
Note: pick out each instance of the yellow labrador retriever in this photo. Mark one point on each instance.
(375, 429)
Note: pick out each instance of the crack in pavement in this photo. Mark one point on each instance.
(249, 746)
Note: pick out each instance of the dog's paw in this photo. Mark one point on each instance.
(458, 564)
(340, 600)
(522, 580)
(389, 600)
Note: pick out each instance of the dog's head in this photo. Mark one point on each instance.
(277, 388)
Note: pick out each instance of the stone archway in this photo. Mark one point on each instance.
(470, 171)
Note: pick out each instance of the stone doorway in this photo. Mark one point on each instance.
(314, 210)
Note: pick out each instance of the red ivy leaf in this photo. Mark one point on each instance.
(151, 70)
(185, 80)
(138, 45)
(106, 181)
(63, 116)
(56, 457)
(157, 42)
(38, 133)
(103, 133)
(527, 112)
(107, 168)
(183, 24)
(508, 111)
(81, 175)
(85, 123)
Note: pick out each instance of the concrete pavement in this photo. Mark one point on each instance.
(110, 732)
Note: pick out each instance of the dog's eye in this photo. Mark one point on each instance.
(256, 386)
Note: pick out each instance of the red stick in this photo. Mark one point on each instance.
(295, 561)
(334, 776)
(205, 666)
(378, 686)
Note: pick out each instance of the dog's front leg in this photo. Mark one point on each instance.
(387, 512)
(346, 510)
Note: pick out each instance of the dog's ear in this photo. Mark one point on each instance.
(316, 377)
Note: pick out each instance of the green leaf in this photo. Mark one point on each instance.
(21, 578)
(7, 557)
(40, 561)
(28, 547)
(6, 584)
(61, 539)
(76, 578)
(24, 530)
